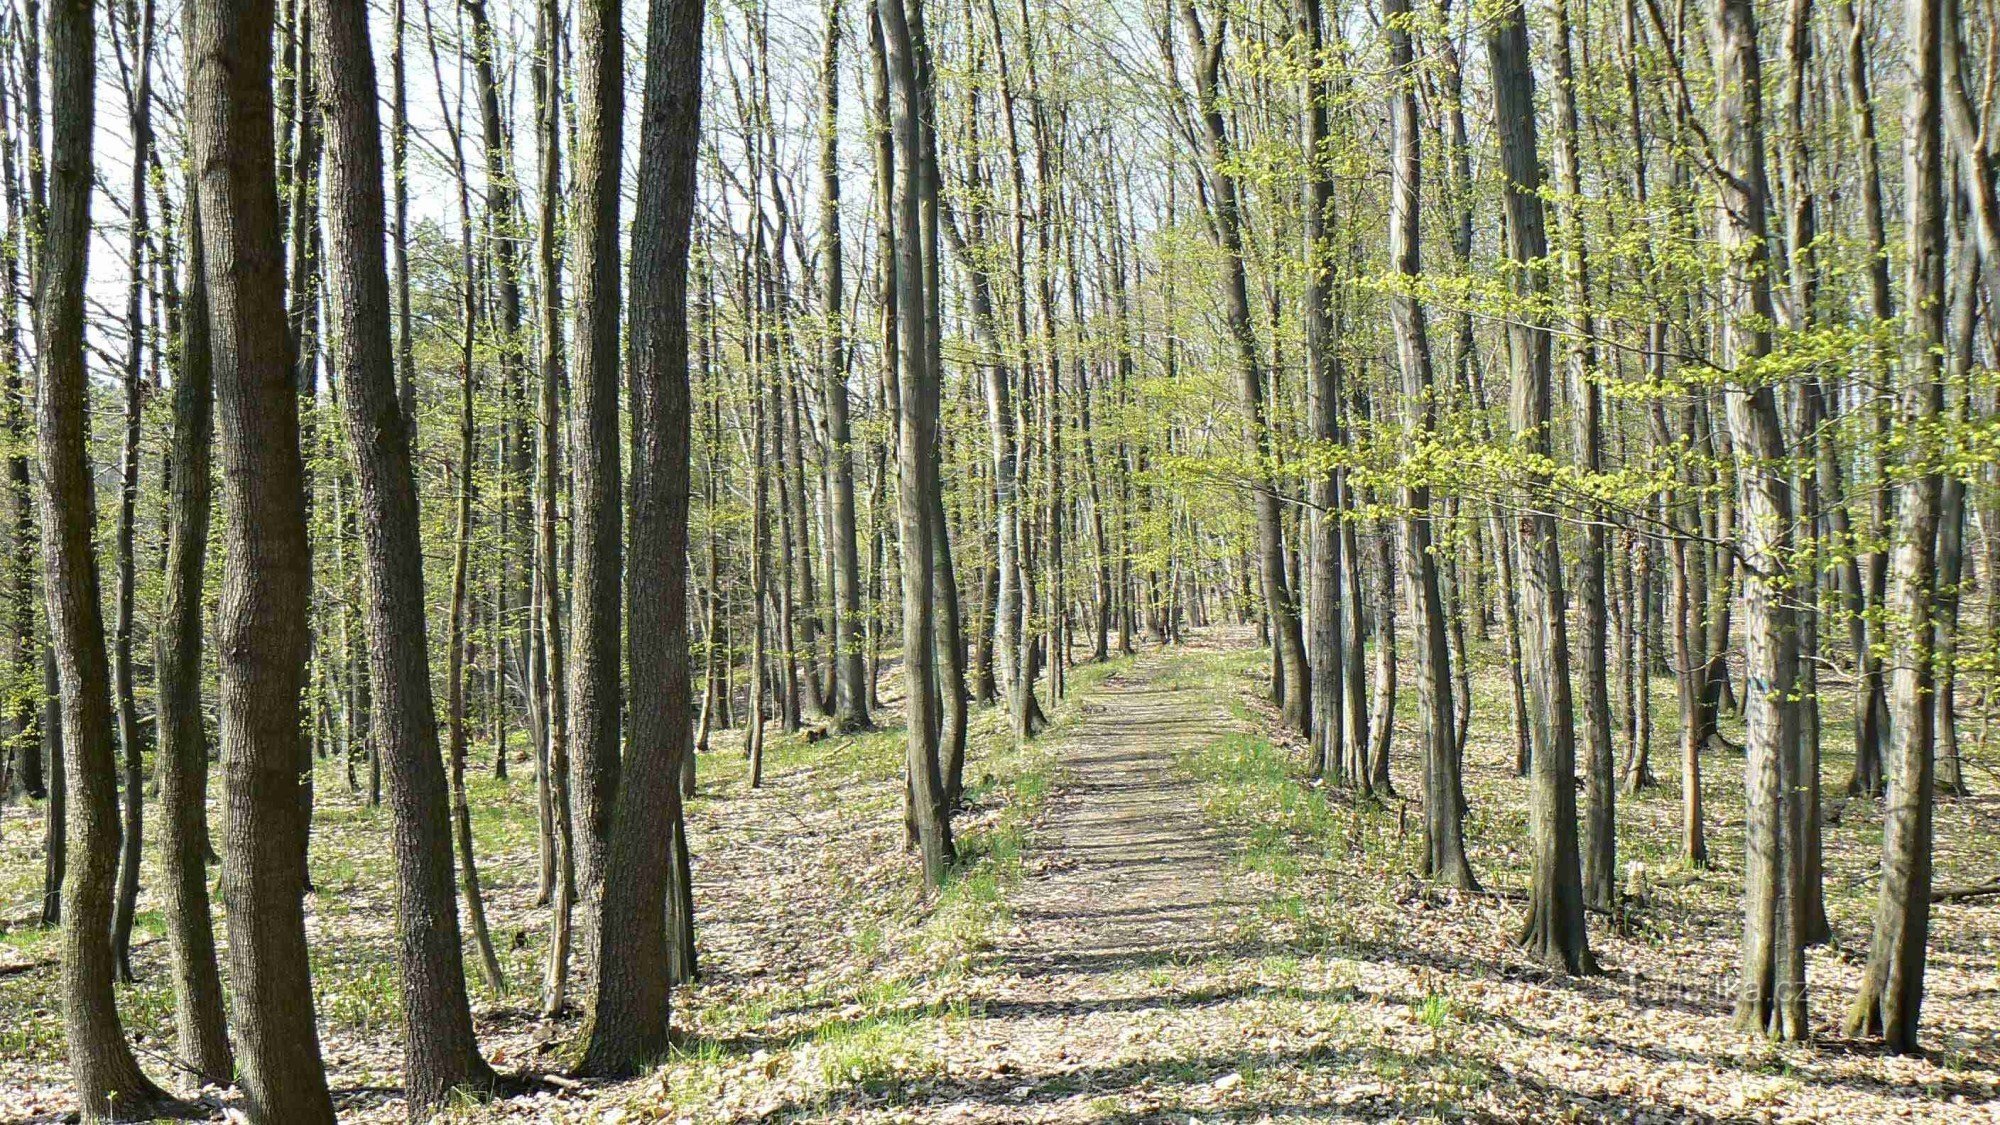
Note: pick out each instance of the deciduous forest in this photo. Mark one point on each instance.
(999, 560)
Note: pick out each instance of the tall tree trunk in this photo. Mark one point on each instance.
(132, 836)
(1600, 849)
(202, 1035)
(1323, 390)
(629, 1020)
(916, 455)
(1772, 996)
(262, 636)
(1444, 809)
(503, 237)
(440, 1051)
(109, 1083)
(1554, 928)
(1868, 574)
(850, 672)
(594, 696)
(1892, 988)
(548, 99)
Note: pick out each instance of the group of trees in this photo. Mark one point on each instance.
(1078, 325)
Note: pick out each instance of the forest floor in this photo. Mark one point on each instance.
(1154, 921)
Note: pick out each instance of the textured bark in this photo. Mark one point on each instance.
(1771, 996)
(441, 1053)
(133, 834)
(1892, 988)
(1323, 387)
(1600, 850)
(916, 449)
(629, 1020)
(850, 672)
(109, 1084)
(594, 698)
(261, 638)
(555, 984)
(202, 1037)
(1801, 220)
(31, 774)
(1554, 928)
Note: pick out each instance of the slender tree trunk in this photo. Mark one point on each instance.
(1554, 928)
(1444, 810)
(461, 811)
(262, 636)
(132, 836)
(629, 1020)
(441, 1053)
(1600, 850)
(1772, 997)
(202, 1035)
(594, 697)
(109, 1083)
(1892, 988)
(916, 447)
(1870, 572)
(1374, 766)
(850, 672)
(1323, 387)
(548, 87)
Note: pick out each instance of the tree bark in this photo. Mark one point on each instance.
(1554, 928)
(629, 1020)
(133, 835)
(594, 697)
(916, 456)
(1444, 808)
(109, 1083)
(203, 1039)
(1772, 992)
(1892, 988)
(440, 1051)
(262, 634)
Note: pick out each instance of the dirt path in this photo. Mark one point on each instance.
(1132, 876)
(1119, 930)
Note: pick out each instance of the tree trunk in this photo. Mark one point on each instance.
(594, 697)
(917, 393)
(441, 1053)
(203, 1039)
(1892, 988)
(1600, 849)
(109, 1083)
(549, 419)
(1554, 928)
(1772, 997)
(1444, 810)
(629, 1020)
(1323, 388)
(132, 836)
(262, 636)
(850, 672)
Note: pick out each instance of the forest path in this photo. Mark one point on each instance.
(1135, 876)
(1123, 932)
